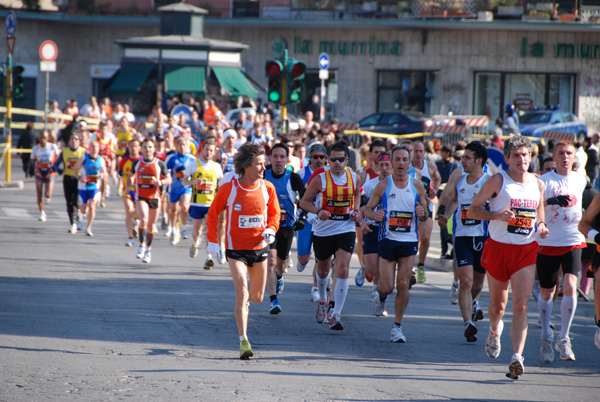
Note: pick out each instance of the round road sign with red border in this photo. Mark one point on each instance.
(48, 50)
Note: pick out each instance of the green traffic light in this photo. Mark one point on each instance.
(294, 97)
(274, 96)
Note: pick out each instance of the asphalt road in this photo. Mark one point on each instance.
(82, 319)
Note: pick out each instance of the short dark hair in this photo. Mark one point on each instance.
(245, 156)
(478, 150)
(338, 147)
(283, 146)
(377, 143)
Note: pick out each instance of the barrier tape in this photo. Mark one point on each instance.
(383, 135)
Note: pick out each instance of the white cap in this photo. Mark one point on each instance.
(230, 132)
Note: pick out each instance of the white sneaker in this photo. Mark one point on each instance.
(314, 295)
(359, 278)
(130, 243)
(141, 251)
(147, 256)
(222, 259)
(374, 294)
(516, 368)
(378, 306)
(209, 262)
(43, 216)
(597, 338)
(184, 233)
(47, 200)
(193, 251)
(89, 232)
(169, 231)
(397, 335)
(454, 293)
(176, 237)
(546, 351)
(492, 343)
(73, 229)
(564, 347)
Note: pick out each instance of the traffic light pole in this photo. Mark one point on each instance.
(284, 119)
(7, 125)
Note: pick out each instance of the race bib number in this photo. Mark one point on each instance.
(71, 163)
(205, 187)
(250, 222)
(44, 165)
(283, 215)
(339, 210)
(522, 223)
(145, 181)
(400, 221)
(466, 221)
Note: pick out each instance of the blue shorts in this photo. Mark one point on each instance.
(89, 194)
(175, 196)
(304, 240)
(468, 250)
(392, 250)
(371, 241)
(198, 212)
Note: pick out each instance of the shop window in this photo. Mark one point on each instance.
(408, 91)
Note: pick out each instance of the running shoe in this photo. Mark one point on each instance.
(130, 243)
(378, 306)
(336, 322)
(546, 351)
(135, 230)
(103, 203)
(300, 268)
(413, 279)
(43, 216)
(147, 257)
(329, 314)
(374, 294)
(564, 347)
(89, 232)
(245, 350)
(176, 238)
(384, 314)
(73, 228)
(222, 259)
(193, 251)
(359, 278)
(47, 200)
(275, 307)
(477, 312)
(141, 251)
(280, 286)
(597, 338)
(397, 335)
(421, 278)
(470, 332)
(184, 233)
(321, 312)
(516, 368)
(492, 343)
(209, 262)
(535, 291)
(454, 292)
(314, 294)
(169, 231)
(80, 224)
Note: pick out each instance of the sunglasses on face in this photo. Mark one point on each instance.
(318, 156)
(341, 159)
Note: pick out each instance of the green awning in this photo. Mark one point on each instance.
(130, 79)
(190, 79)
(234, 81)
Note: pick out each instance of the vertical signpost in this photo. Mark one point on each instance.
(323, 75)
(11, 29)
(48, 53)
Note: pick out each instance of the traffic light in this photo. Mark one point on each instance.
(274, 70)
(295, 80)
(18, 81)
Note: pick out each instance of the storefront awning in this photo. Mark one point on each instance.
(190, 79)
(130, 79)
(234, 81)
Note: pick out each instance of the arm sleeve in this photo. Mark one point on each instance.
(163, 169)
(58, 161)
(212, 218)
(273, 211)
(297, 184)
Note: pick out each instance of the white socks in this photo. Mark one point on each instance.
(545, 308)
(322, 286)
(567, 312)
(340, 292)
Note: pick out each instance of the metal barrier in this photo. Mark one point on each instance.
(451, 129)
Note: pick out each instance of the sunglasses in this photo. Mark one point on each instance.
(318, 156)
(341, 159)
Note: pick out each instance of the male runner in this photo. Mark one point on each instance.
(334, 234)
(68, 158)
(509, 255)
(89, 171)
(403, 200)
(128, 191)
(107, 147)
(469, 234)
(179, 194)
(44, 155)
(562, 248)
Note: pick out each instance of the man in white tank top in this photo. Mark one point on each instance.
(403, 200)
(509, 255)
(469, 234)
(563, 195)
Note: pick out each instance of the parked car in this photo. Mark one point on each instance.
(396, 123)
(535, 122)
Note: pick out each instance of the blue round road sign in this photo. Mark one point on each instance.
(11, 23)
(323, 61)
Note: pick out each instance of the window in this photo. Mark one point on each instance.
(408, 91)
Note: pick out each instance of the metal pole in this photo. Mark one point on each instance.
(322, 108)
(284, 118)
(47, 101)
(8, 128)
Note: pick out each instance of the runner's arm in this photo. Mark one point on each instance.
(374, 202)
(314, 188)
(490, 189)
(212, 218)
(592, 211)
(273, 211)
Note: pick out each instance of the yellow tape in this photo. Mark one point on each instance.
(383, 135)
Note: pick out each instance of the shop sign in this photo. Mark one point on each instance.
(561, 50)
(349, 48)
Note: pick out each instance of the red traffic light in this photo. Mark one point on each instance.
(274, 68)
(297, 69)
(18, 69)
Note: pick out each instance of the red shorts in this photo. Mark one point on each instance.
(502, 260)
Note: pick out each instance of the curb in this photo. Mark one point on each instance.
(13, 184)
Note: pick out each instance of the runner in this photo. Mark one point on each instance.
(128, 190)
(148, 175)
(179, 194)
(369, 172)
(68, 158)
(562, 248)
(370, 228)
(403, 200)
(90, 170)
(225, 156)
(107, 152)
(334, 234)
(44, 155)
(289, 186)
(509, 255)
(252, 221)
(304, 239)
(469, 234)
(203, 176)
(431, 179)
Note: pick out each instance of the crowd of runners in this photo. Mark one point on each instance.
(254, 192)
